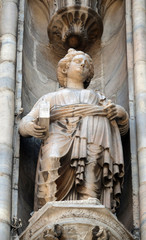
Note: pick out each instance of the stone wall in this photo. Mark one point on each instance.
(110, 58)
(39, 62)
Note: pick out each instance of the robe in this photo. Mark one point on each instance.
(82, 156)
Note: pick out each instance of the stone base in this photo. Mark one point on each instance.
(75, 220)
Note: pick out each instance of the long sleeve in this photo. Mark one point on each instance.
(25, 123)
(30, 117)
(123, 125)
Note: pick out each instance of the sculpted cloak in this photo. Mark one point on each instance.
(82, 157)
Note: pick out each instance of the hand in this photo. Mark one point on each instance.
(115, 111)
(35, 130)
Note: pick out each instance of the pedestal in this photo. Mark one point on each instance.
(75, 220)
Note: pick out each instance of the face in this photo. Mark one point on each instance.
(79, 68)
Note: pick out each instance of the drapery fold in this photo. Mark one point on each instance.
(82, 157)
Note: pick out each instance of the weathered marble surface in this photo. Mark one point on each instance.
(30, 94)
(81, 153)
(39, 66)
(75, 24)
(8, 32)
(75, 220)
(139, 42)
(132, 118)
(40, 59)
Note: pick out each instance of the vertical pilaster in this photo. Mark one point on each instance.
(8, 29)
(16, 139)
(132, 121)
(139, 36)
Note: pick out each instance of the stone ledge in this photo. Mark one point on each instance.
(76, 220)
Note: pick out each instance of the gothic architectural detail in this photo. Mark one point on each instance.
(103, 6)
(78, 220)
(75, 26)
(54, 233)
(15, 225)
(100, 233)
(74, 163)
(28, 60)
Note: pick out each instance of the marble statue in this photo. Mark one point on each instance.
(81, 152)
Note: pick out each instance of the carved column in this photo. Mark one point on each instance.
(139, 35)
(7, 87)
(132, 121)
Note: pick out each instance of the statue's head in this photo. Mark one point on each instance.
(64, 64)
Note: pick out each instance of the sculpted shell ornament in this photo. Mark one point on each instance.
(75, 23)
(75, 26)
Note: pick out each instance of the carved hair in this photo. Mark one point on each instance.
(64, 63)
